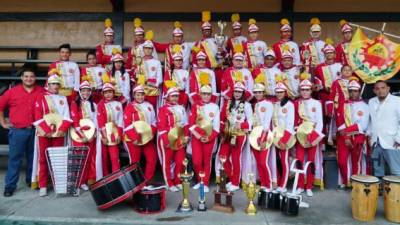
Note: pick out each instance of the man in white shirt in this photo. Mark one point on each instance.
(384, 130)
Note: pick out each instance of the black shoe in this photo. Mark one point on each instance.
(8, 193)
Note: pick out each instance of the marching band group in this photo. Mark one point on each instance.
(267, 105)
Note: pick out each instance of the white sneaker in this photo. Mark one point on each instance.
(265, 189)
(197, 186)
(206, 189)
(228, 184)
(179, 186)
(299, 191)
(43, 192)
(309, 193)
(173, 189)
(233, 188)
(282, 190)
(84, 187)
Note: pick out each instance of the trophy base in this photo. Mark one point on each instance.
(184, 208)
(202, 207)
(220, 206)
(251, 210)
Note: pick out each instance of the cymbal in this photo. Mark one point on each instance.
(144, 129)
(256, 134)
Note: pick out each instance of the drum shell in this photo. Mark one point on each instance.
(364, 200)
(117, 187)
(391, 198)
(149, 201)
(274, 199)
(290, 205)
(262, 199)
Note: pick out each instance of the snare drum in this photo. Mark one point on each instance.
(150, 200)
(290, 204)
(118, 186)
(274, 200)
(364, 197)
(262, 199)
(391, 198)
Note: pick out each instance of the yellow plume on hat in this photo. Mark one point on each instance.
(204, 79)
(238, 48)
(141, 80)
(238, 76)
(354, 78)
(149, 35)
(235, 17)
(260, 79)
(305, 76)
(315, 20)
(285, 47)
(170, 84)
(279, 77)
(54, 71)
(329, 41)
(284, 21)
(176, 48)
(137, 22)
(115, 51)
(206, 16)
(252, 21)
(86, 78)
(342, 22)
(177, 24)
(196, 49)
(108, 23)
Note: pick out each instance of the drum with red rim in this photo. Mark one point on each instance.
(117, 187)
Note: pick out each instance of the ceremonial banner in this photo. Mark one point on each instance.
(373, 60)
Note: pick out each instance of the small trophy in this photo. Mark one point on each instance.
(202, 197)
(250, 190)
(220, 39)
(185, 205)
(222, 191)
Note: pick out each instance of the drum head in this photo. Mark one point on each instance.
(364, 179)
(392, 179)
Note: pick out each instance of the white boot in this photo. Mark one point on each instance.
(206, 189)
(299, 191)
(233, 188)
(84, 187)
(309, 193)
(197, 186)
(179, 186)
(173, 189)
(43, 192)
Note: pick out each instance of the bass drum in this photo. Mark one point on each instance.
(116, 187)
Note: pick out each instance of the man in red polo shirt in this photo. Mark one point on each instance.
(20, 101)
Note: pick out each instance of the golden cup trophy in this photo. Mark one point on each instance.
(225, 206)
(185, 205)
(250, 190)
(202, 195)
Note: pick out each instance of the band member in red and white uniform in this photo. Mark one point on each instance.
(311, 50)
(234, 74)
(68, 72)
(185, 48)
(342, 48)
(266, 74)
(204, 125)
(51, 103)
(254, 49)
(286, 39)
(140, 110)
(181, 77)
(339, 91)
(136, 52)
(290, 74)
(149, 74)
(110, 122)
(283, 118)
(104, 51)
(120, 77)
(353, 117)
(172, 118)
(236, 122)
(326, 73)
(199, 76)
(307, 110)
(93, 73)
(237, 38)
(84, 108)
(263, 110)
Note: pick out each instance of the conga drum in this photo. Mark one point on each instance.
(391, 198)
(364, 197)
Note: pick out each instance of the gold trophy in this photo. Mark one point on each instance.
(250, 190)
(222, 191)
(185, 205)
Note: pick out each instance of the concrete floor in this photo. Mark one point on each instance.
(26, 207)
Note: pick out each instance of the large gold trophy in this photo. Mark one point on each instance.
(250, 190)
(185, 205)
(223, 192)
